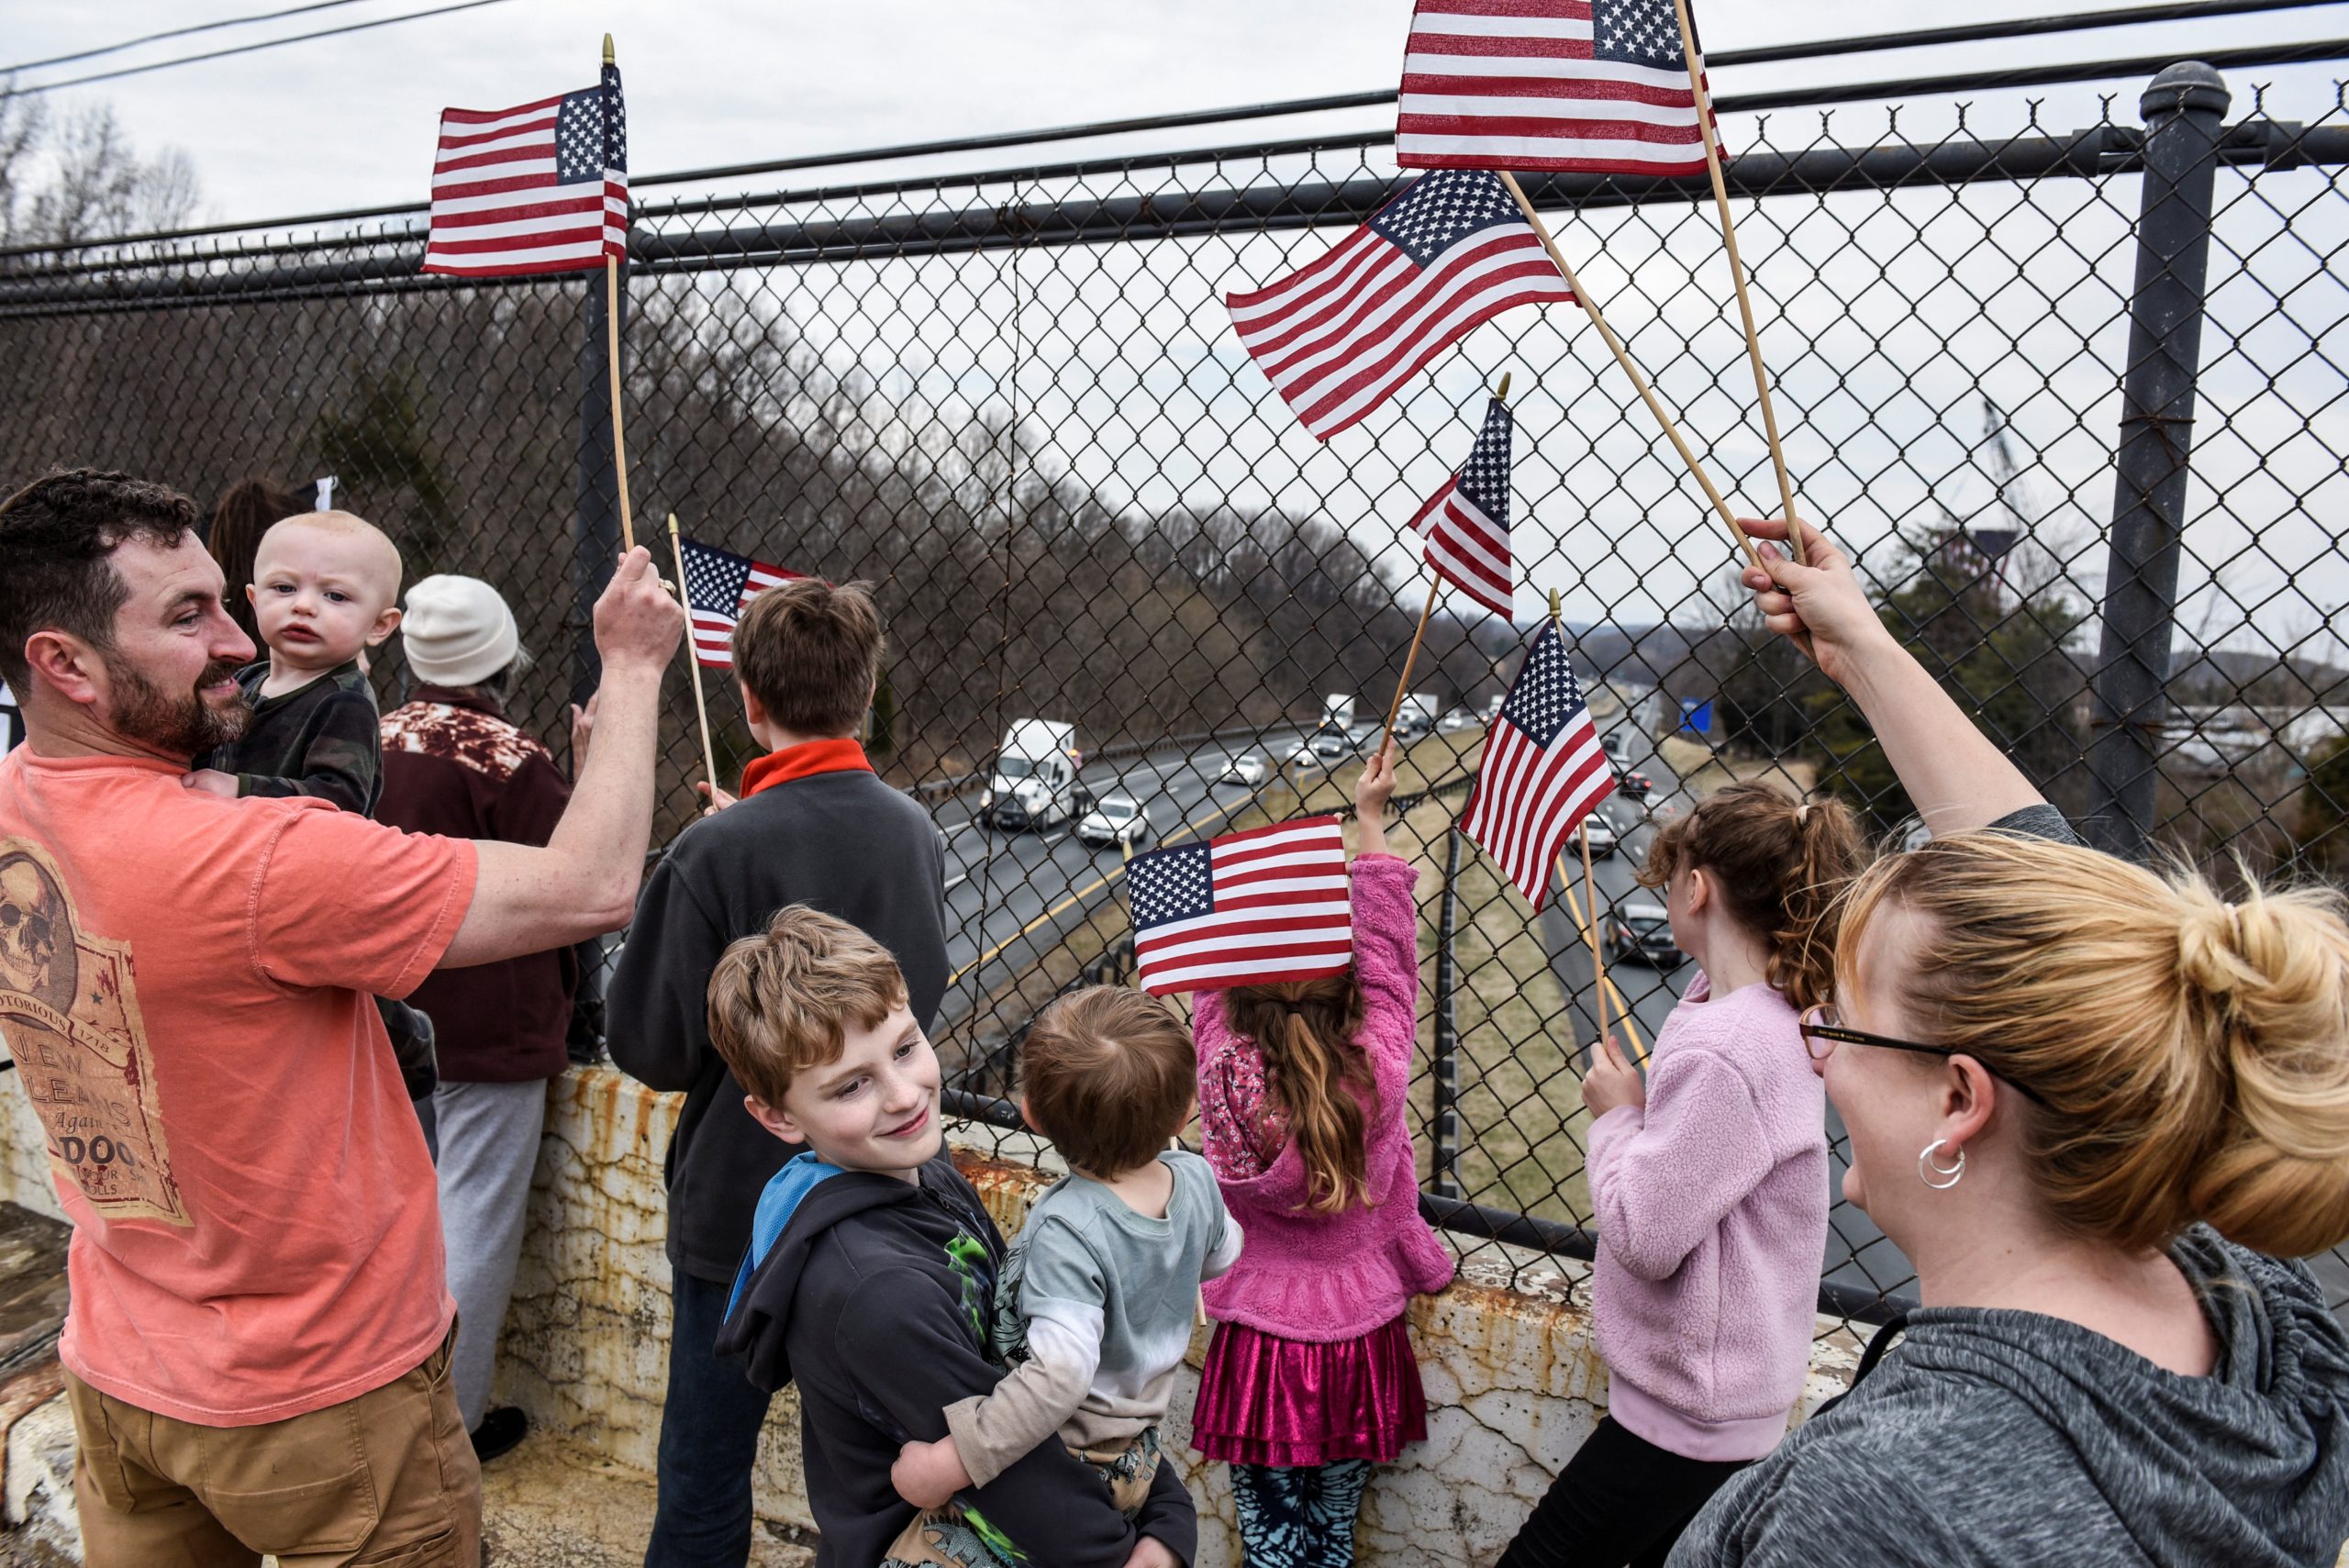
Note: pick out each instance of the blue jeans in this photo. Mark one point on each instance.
(710, 1438)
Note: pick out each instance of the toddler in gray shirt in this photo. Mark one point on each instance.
(1094, 1312)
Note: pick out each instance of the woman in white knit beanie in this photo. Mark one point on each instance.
(454, 764)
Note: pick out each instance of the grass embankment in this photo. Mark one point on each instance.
(1702, 770)
(1517, 1100)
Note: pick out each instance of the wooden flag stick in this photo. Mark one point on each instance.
(693, 659)
(1647, 394)
(1589, 880)
(1200, 1305)
(612, 367)
(1585, 927)
(612, 359)
(1387, 735)
(1737, 274)
(1598, 956)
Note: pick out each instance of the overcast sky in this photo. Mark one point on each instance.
(1879, 394)
(349, 121)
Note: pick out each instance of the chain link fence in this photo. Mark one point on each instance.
(1012, 401)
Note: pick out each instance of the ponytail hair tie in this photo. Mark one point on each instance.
(1802, 812)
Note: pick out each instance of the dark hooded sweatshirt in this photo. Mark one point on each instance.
(838, 841)
(874, 1300)
(2010, 1439)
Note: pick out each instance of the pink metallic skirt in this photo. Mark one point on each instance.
(1266, 1400)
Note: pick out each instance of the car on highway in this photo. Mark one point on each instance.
(1602, 835)
(1308, 754)
(1612, 744)
(1115, 819)
(1458, 720)
(1632, 782)
(1245, 768)
(1359, 734)
(1329, 746)
(1643, 931)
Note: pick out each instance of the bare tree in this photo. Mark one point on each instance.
(97, 184)
(23, 117)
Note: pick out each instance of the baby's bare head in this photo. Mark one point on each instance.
(341, 544)
(326, 585)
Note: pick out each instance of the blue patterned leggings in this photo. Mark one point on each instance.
(1299, 1517)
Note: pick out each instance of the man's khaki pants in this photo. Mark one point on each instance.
(385, 1479)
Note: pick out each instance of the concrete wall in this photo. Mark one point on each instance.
(1513, 1383)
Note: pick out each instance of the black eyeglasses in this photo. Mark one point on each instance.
(1821, 1032)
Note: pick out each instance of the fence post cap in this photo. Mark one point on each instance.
(2185, 88)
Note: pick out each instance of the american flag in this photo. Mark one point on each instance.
(1245, 910)
(1341, 334)
(1542, 770)
(1467, 522)
(539, 188)
(1591, 86)
(719, 584)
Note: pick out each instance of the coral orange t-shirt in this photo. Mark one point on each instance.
(185, 985)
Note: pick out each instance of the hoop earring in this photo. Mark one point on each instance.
(1928, 1167)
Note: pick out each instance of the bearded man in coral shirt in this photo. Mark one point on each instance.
(257, 1351)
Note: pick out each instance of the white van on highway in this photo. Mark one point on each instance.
(1035, 783)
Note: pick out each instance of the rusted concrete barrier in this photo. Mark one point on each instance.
(1514, 1383)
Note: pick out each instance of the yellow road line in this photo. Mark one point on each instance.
(1087, 891)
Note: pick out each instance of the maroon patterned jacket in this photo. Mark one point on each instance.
(453, 764)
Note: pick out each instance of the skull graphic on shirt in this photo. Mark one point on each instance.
(29, 915)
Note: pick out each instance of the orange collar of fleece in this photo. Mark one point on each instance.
(804, 760)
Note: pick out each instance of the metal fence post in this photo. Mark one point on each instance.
(1443, 1114)
(2183, 107)
(596, 521)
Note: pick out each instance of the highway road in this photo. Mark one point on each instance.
(1011, 896)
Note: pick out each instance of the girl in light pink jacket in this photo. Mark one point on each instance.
(1304, 1086)
(1709, 1183)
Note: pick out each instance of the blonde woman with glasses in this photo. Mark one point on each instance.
(2094, 1104)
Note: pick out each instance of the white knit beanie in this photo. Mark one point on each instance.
(458, 631)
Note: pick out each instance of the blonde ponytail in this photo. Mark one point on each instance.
(2270, 978)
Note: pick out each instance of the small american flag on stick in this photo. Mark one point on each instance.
(1467, 522)
(1542, 772)
(538, 188)
(719, 584)
(1340, 335)
(1587, 86)
(1248, 909)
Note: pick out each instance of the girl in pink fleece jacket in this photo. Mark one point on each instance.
(1303, 1088)
(1709, 1184)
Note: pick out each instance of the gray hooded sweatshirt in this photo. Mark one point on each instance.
(2001, 1439)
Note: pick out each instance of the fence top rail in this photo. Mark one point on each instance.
(2287, 53)
(329, 266)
